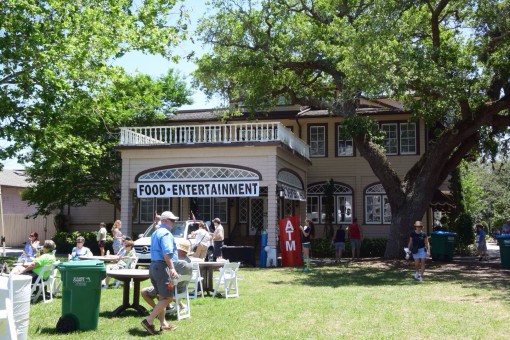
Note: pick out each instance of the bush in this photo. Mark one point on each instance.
(370, 247)
(66, 241)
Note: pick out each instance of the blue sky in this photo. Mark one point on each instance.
(157, 66)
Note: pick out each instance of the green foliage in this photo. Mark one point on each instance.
(62, 99)
(463, 226)
(66, 241)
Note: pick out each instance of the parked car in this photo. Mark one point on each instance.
(181, 230)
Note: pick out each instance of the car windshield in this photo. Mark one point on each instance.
(177, 231)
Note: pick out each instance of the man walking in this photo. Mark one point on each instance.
(163, 256)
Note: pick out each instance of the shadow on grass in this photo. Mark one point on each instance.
(379, 272)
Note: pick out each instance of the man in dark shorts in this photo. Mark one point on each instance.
(101, 238)
(162, 270)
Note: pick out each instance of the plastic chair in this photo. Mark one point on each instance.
(183, 295)
(130, 264)
(45, 286)
(228, 278)
(7, 314)
(196, 280)
(56, 283)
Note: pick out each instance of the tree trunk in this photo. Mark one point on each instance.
(401, 226)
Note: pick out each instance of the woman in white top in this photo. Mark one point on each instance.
(201, 241)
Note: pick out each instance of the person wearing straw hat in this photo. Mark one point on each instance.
(420, 247)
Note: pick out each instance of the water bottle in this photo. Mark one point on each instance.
(108, 253)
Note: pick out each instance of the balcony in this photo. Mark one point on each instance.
(213, 134)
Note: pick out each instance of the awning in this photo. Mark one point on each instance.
(442, 201)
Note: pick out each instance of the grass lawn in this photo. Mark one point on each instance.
(368, 299)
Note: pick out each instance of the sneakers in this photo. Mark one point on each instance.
(420, 278)
(416, 275)
(171, 310)
(103, 286)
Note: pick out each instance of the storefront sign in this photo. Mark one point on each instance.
(198, 189)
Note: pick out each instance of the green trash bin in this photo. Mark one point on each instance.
(441, 245)
(81, 293)
(504, 250)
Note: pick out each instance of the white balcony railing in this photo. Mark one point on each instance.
(209, 134)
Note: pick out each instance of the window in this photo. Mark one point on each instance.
(400, 138)
(150, 205)
(408, 138)
(390, 143)
(377, 207)
(344, 147)
(210, 208)
(317, 140)
(317, 202)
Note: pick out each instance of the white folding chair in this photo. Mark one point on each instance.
(56, 280)
(182, 295)
(196, 280)
(6, 315)
(228, 278)
(130, 264)
(45, 286)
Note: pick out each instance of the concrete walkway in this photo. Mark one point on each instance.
(492, 252)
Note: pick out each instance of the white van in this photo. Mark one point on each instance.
(181, 230)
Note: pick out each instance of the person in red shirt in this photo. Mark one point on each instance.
(355, 236)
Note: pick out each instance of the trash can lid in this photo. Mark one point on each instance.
(443, 233)
(504, 236)
(83, 264)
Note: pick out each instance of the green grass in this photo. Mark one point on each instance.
(369, 299)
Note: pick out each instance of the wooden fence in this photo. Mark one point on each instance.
(17, 228)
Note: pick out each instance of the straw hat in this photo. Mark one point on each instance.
(183, 245)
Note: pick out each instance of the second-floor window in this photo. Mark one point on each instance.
(400, 138)
(317, 140)
(344, 144)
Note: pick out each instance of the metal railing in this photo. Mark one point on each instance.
(211, 134)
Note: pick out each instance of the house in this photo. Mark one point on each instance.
(15, 221)
(253, 169)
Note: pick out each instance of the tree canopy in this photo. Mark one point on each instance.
(62, 98)
(447, 61)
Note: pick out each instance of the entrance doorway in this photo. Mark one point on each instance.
(258, 215)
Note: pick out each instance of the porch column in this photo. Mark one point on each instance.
(272, 216)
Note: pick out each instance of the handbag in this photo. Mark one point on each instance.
(195, 246)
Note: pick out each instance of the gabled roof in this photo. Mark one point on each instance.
(13, 178)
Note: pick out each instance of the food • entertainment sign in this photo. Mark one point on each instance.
(198, 189)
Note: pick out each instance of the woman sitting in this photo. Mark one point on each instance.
(34, 268)
(80, 250)
(30, 248)
(124, 261)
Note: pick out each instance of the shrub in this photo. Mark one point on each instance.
(66, 241)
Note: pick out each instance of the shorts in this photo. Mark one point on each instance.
(421, 254)
(482, 247)
(217, 248)
(101, 244)
(355, 243)
(339, 245)
(159, 279)
(151, 292)
(307, 245)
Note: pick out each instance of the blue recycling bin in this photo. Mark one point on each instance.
(263, 254)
